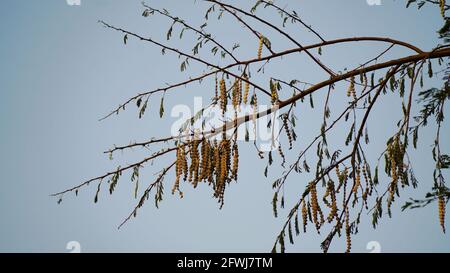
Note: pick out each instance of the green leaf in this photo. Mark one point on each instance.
(430, 69)
(143, 108)
(169, 32)
(161, 107)
(98, 191)
(274, 204)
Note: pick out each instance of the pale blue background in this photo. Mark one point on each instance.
(61, 71)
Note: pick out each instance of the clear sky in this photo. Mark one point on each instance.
(61, 71)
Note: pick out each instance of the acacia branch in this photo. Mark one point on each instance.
(266, 58)
(189, 56)
(200, 32)
(101, 177)
(328, 70)
(294, 17)
(326, 244)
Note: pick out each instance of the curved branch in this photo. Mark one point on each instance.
(204, 35)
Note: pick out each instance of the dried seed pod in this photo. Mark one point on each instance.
(228, 159)
(442, 7)
(217, 161)
(441, 205)
(321, 217)
(216, 89)
(178, 170)
(212, 162)
(304, 215)
(221, 181)
(394, 171)
(326, 194)
(273, 92)
(333, 211)
(191, 167)
(288, 132)
(346, 172)
(347, 231)
(246, 89)
(260, 46)
(205, 159)
(195, 161)
(235, 94)
(364, 172)
(254, 103)
(351, 89)
(223, 96)
(234, 170)
(314, 204)
(239, 91)
(184, 164)
(220, 166)
(357, 180)
(224, 166)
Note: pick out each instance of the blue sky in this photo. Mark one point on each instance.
(61, 71)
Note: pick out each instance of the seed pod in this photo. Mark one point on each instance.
(195, 161)
(283, 157)
(239, 91)
(220, 190)
(254, 103)
(321, 217)
(184, 164)
(314, 204)
(234, 94)
(357, 180)
(260, 46)
(216, 89)
(205, 159)
(442, 7)
(333, 211)
(273, 92)
(441, 205)
(364, 172)
(246, 89)
(324, 198)
(393, 171)
(224, 166)
(217, 160)
(347, 231)
(288, 132)
(220, 160)
(228, 159)
(178, 170)
(191, 167)
(304, 215)
(212, 162)
(234, 170)
(223, 96)
(351, 89)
